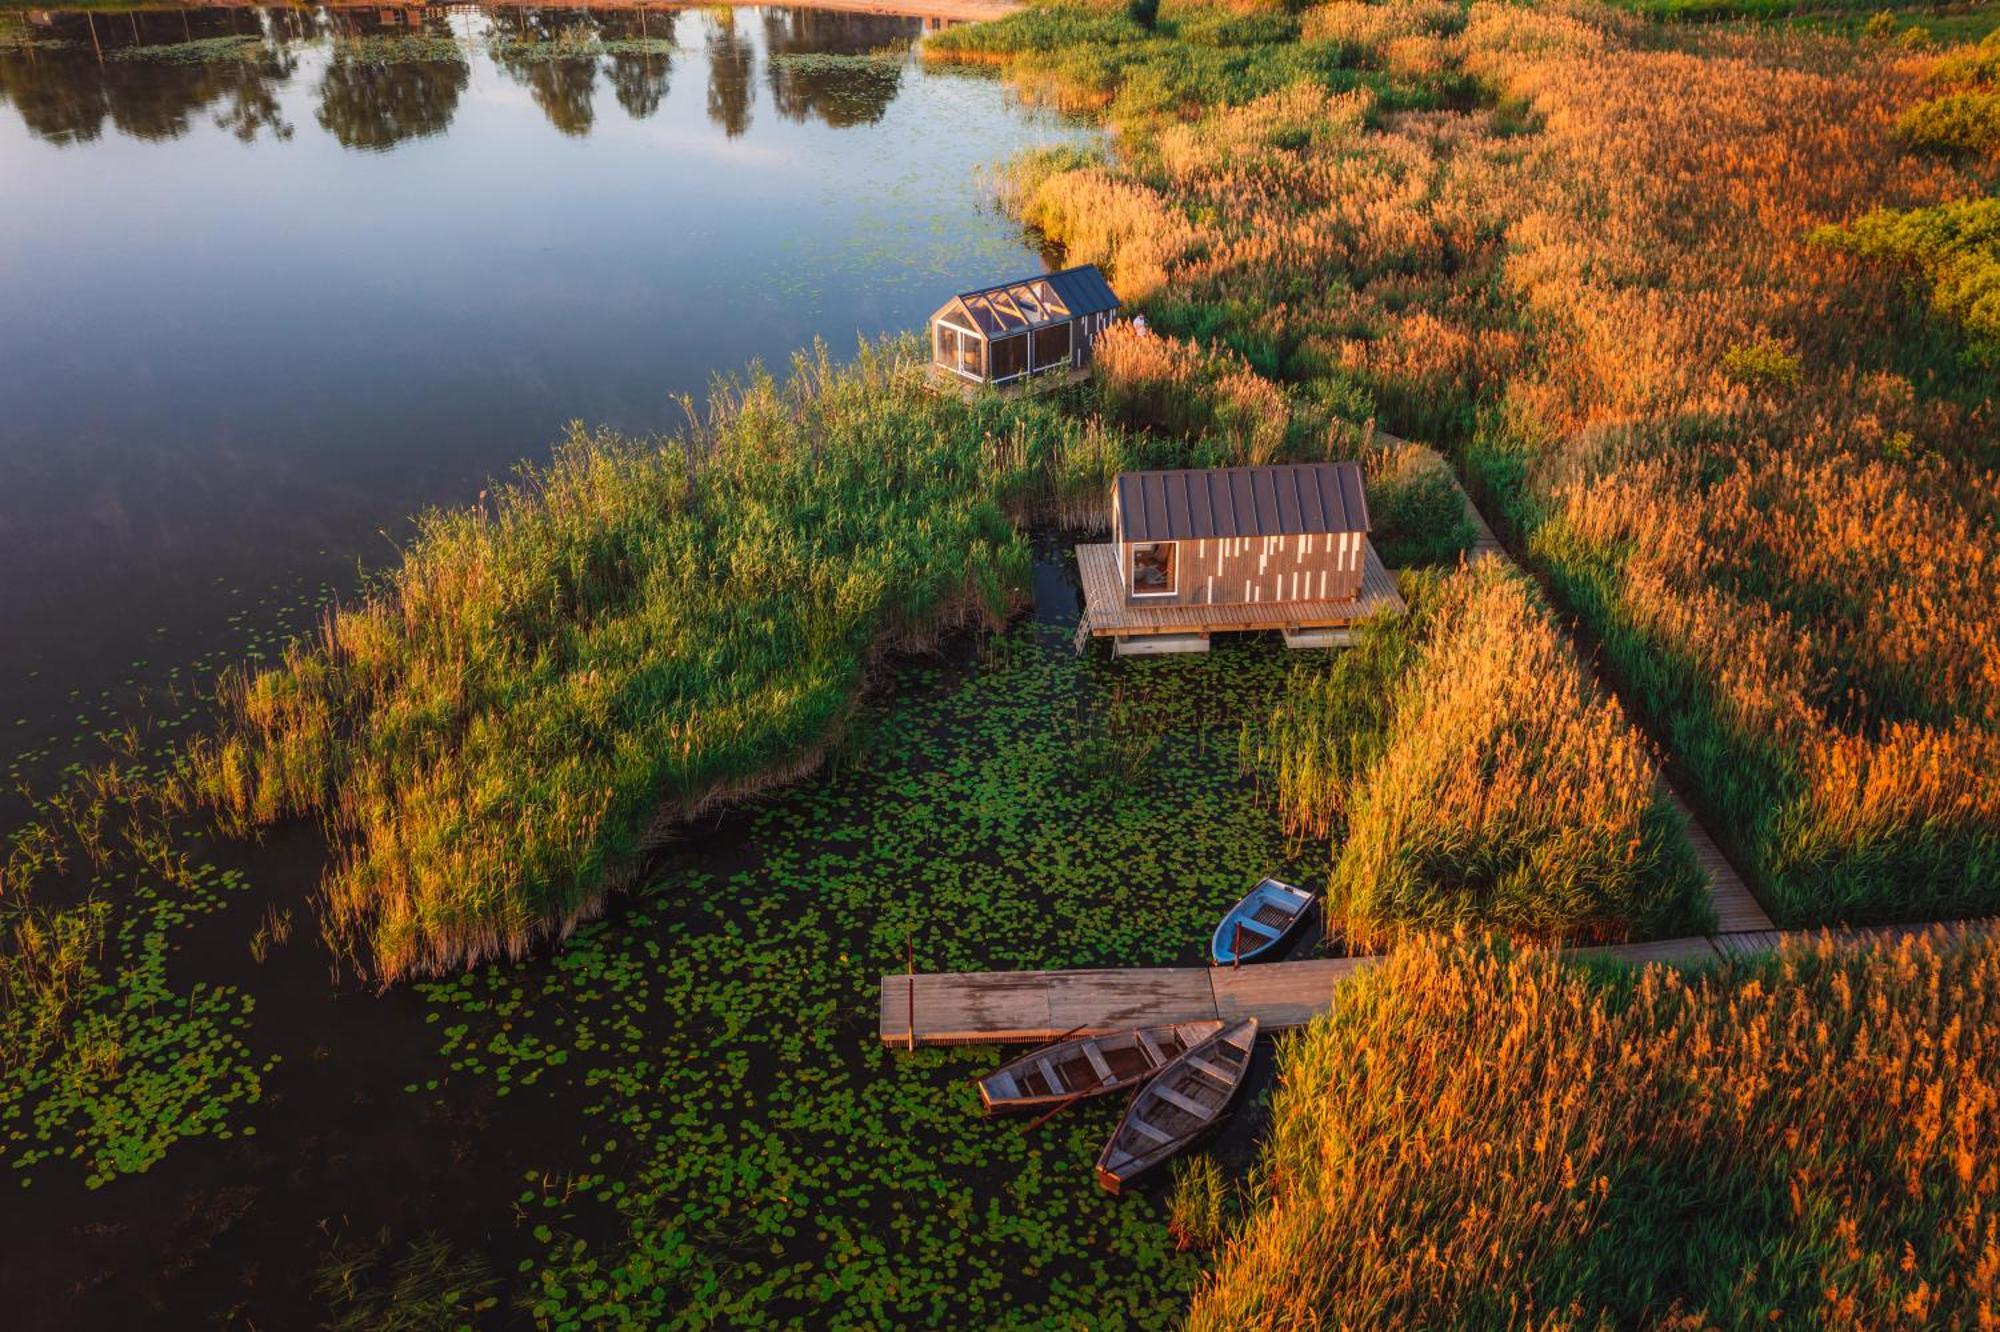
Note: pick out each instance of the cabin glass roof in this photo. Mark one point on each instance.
(1031, 303)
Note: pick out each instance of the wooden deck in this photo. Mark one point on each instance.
(1000, 1006)
(994, 1007)
(1109, 615)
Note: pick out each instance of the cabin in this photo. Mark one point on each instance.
(1001, 334)
(1200, 551)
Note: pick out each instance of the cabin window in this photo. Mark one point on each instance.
(1010, 357)
(1155, 569)
(959, 350)
(1051, 346)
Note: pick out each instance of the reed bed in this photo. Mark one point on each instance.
(549, 681)
(1467, 771)
(1478, 1139)
(1654, 290)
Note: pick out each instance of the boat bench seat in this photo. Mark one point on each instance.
(1192, 1106)
(1149, 1131)
(1210, 1071)
(1096, 1058)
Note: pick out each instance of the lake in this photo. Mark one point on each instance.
(272, 280)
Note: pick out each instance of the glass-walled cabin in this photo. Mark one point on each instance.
(1001, 334)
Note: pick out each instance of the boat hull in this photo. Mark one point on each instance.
(1270, 916)
(1087, 1067)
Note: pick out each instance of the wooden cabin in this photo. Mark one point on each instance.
(1000, 334)
(1198, 551)
(1241, 535)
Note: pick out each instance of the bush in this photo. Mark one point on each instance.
(1966, 122)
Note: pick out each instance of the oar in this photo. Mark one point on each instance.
(1059, 1107)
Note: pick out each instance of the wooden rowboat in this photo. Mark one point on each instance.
(1184, 1102)
(1088, 1066)
(1266, 917)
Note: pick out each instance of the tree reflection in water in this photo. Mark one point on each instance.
(846, 89)
(391, 75)
(639, 73)
(378, 92)
(66, 74)
(554, 56)
(731, 59)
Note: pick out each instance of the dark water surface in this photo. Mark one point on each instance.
(271, 280)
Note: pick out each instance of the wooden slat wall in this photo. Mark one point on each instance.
(1112, 614)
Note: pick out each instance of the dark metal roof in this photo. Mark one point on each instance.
(1084, 290)
(1241, 502)
(1026, 303)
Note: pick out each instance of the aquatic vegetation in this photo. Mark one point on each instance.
(429, 1286)
(1330, 724)
(1478, 1139)
(104, 1060)
(550, 681)
(748, 1150)
(1202, 1204)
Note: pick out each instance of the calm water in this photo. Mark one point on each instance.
(272, 280)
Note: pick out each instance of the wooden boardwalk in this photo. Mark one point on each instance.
(997, 1007)
(1109, 614)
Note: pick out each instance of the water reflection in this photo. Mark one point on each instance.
(363, 281)
(379, 77)
(837, 67)
(394, 75)
(730, 63)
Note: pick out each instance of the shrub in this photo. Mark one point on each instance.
(1967, 122)
(1956, 246)
(1762, 362)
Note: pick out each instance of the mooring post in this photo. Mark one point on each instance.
(910, 949)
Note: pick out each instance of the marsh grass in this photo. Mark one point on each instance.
(1202, 1205)
(1473, 1138)
(1677, 351)
(550, 681)
(1465, 770)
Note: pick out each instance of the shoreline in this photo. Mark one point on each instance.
(945, 11)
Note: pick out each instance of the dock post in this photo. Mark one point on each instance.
(910, 947)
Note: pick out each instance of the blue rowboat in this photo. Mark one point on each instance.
(1257, 925)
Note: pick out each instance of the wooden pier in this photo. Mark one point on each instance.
(968, 1008)
(999, 1007)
